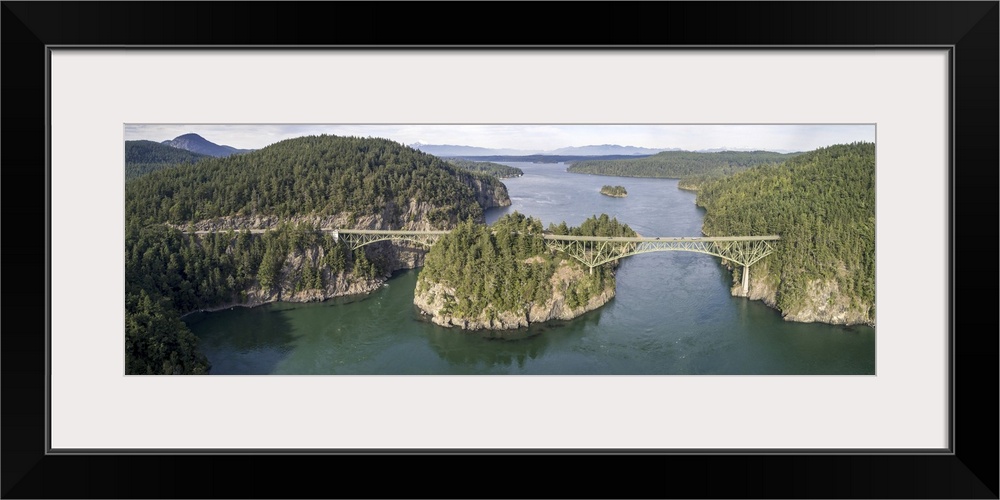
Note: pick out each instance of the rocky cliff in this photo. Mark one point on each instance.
(489, 193)
(433, 304)
(822, 301)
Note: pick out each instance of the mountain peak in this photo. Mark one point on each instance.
(191, 136)
(198, 144)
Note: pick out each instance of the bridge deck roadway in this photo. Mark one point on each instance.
(614, 239)
(625, 239)
(386, 232)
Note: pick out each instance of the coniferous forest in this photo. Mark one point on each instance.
(143, 157)
(321, 175)
(822, 204)
(497, 170)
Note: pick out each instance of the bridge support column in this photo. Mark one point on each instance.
(746, 281)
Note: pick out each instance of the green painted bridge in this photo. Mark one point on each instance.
(592, 251)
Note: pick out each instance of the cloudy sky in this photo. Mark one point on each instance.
(532, 137)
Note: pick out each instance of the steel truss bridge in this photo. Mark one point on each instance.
(357, 238)
(592, 251)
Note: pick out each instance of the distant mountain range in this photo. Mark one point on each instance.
(592, 150)
(198, 144)
(453, 150)
(607, 149)
(143, 157)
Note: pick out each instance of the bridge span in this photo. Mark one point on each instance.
(592, 251)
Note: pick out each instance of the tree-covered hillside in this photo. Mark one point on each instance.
(497, 170)
(822, 204)
(143, 157)
(319, 175)
(695, 167)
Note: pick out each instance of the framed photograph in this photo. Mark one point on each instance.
(925, 91)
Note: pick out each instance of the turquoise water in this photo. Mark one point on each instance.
(673, 313)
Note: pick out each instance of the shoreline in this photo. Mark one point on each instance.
(250, 305)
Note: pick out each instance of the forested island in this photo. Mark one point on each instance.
(497, 170)
(614, 191)
(822, 204)
(504, 276)
(292, 188)
(691, 167)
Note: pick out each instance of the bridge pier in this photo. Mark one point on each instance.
(746, 280)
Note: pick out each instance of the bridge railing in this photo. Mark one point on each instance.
(627, 239)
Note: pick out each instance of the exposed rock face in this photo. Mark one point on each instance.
(432, 304)
(823, 303)
(414, 216)
(486, 195)
(334, 284)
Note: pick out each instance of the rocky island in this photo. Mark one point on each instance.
(504, 276)
(614, 191)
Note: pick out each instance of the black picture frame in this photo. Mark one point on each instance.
(970, 28)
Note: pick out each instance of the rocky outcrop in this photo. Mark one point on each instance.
(823, 302)
(286, 290)
(826, 304)
(489, 191)
(433, 301)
